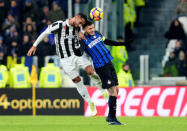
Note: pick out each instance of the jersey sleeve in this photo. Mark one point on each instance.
(113, 43)
(49, 30)
(102, 36)
(54, 27)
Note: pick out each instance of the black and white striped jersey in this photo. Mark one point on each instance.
(66, 38)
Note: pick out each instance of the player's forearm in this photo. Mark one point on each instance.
(113, 43)
(40, 38)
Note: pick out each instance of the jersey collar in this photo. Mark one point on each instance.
(67, 23)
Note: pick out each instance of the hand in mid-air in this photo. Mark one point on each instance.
(31, 51)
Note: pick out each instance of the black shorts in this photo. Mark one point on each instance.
(107, 75)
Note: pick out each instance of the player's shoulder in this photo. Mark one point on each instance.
(102, 36)
(57, 23)
(98, 33)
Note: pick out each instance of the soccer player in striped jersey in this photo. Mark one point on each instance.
(68, 48)
(95, 47)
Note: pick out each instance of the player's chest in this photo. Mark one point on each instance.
(92, 42)
(69, 32)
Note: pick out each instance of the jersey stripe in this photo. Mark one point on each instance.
(104, 51)
(66, 38)
(94, 52)
(66, 41)
(73, 41)
(59, 40)
(97, 50)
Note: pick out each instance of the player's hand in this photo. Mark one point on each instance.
(31, 51)
(81, 36)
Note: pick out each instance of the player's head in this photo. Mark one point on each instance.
(89, 28)
(126, 67)
(51, 61)
(80, 19)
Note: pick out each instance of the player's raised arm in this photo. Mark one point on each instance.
(50, 29)
(115, 43)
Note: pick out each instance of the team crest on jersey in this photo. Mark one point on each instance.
(109, 82)
(94, 36)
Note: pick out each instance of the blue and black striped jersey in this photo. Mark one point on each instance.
(97, 50)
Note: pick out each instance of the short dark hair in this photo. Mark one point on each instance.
(51, 60)
(126, 63)
(88, 23)
(83, 16)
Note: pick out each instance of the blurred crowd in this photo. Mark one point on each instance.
(132, 12)
(21, 21)
(175, 60)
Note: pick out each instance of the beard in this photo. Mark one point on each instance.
(74, 24)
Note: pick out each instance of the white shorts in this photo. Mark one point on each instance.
(72, 64)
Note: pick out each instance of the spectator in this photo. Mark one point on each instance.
(175, 31)
(63, 5)
(182, 64)
(56, 13)
(125, 77)
(45, 11)
(8, 23)
(45, 48)
(14, 35)
(170, 68)
(139, 5)
(31, 32)
(30, 11)
(129, 18)
(29, 21)
(1, 44)
(120, 55)
(14, 9)
(181, 9)
(44, 19)
(26, 45)
(178, 48)
(3, 12)
(2, 51)
(14, 49)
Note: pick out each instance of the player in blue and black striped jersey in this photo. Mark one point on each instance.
(95, 46)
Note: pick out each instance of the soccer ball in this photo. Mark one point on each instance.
(96, 14)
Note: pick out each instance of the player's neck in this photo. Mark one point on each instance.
(71, 21)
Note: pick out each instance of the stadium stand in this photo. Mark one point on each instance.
(151, 21)
(156, 17)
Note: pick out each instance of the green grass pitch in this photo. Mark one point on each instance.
(81, 123)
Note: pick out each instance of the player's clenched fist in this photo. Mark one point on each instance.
(31, 51)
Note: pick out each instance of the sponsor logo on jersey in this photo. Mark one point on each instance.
(93, 43)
